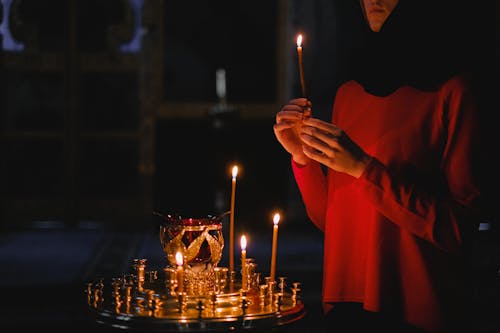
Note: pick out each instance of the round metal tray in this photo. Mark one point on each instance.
(154, 311)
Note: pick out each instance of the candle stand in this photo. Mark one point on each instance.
(211, 298)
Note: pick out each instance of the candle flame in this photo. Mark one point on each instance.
(276, 218)
(179, 259)
(243, 242)
(235, 171)
(299, 40)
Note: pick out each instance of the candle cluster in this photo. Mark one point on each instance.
(243, 241)
(194, 289)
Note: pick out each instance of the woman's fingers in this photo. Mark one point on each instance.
(312, 153)
(291, 115)
(320, 138)
(300, 101)
(283, 125)
(325, 147)
(323, 126)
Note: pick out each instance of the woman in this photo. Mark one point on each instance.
(396, 203)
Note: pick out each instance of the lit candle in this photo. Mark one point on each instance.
(231, 220)
(276, 220)
(180, 272)
(301, 68)
(243, 243)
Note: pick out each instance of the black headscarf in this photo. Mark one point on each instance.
(416, 46)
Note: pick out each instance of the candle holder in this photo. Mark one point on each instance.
(213, 298)
(201, 242)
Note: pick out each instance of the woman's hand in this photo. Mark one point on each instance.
(332, 147)
(288, 125)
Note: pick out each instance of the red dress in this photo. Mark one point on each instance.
(393, 237)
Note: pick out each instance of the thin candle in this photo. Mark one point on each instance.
(231, 219)
(243, 244)
(180, 272)
(301, 67)
(220, 83)
(276, 220)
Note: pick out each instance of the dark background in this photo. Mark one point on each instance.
(109, 112)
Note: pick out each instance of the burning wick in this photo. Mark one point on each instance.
(180, 272)
(243, 244)
(276, 220)
(231, 219)
(301, 67)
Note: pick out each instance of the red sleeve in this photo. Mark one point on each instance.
(442, 218)
(313, 187)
